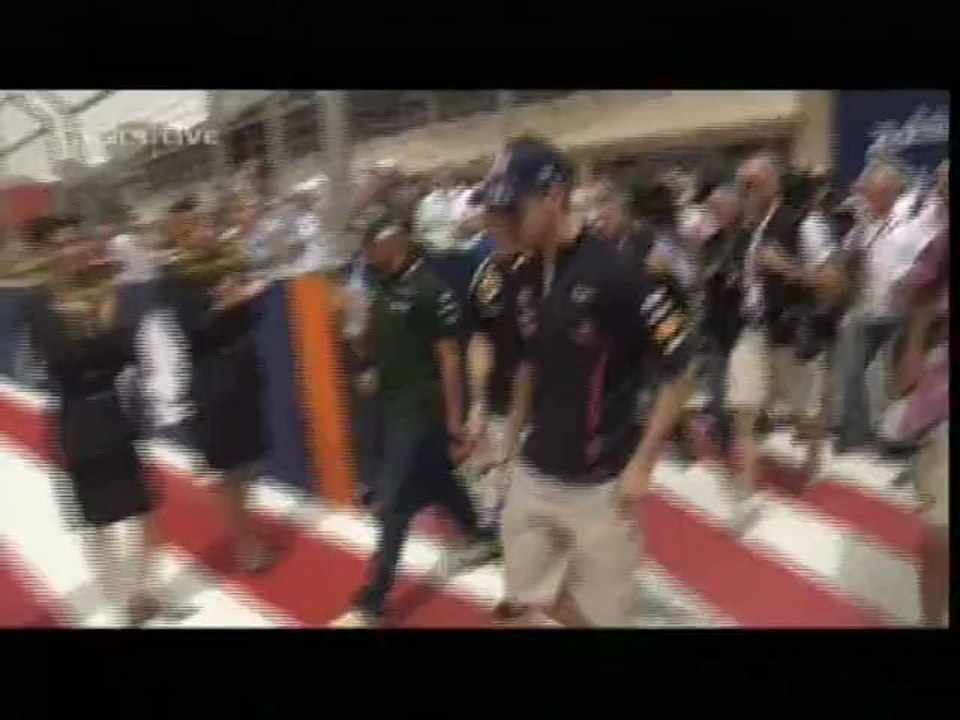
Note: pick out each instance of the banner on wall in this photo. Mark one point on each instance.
(911, 126)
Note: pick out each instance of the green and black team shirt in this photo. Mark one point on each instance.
(410, 312)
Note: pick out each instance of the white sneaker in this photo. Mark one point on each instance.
(354, 620)
(455, 561)
(745, 513)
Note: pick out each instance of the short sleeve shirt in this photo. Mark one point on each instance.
(492, 311)
(590, 335)
(410, 313)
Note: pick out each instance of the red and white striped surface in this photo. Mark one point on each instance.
(844, 553)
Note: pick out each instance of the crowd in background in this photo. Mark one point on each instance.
(682, 225)
(680, 218)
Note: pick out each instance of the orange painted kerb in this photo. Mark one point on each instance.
(323, 385)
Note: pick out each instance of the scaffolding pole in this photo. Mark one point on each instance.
(221, 161)
(275, 138)
(334, 126)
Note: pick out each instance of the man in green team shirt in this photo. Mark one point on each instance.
(414, 367)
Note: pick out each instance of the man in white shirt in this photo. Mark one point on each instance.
(436, 215)
(884, 246)
(447, 225)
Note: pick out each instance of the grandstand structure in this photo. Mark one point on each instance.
(50, 136)
(66, 140)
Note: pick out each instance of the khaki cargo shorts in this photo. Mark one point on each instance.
(760, 375)
(932, 476)
(560, 538)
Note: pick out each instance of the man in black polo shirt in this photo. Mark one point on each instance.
(493, 353)
(587, 322)
(414, 353)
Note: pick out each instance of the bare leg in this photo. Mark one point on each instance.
(935, 576)
(746, 501)
(748, 462)
(250, 551)
(100, 544)
(143, 603)
(810, 431)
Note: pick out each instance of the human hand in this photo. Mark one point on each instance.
(476, 423)
(460, 448)
(235, 291)
(635, 482)
(774, 260)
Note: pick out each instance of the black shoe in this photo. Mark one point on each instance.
(180, 434)
(898, 452)
(843, 445)
(363, 612)
(365, 497)
(358, 619)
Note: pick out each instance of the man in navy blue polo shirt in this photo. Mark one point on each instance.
(589, 325)
(493, 352)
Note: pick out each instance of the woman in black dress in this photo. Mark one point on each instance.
(212, 301)
(85, 347)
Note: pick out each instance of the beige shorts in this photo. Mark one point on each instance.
(576, 539)
(932, 476)
(760, 375)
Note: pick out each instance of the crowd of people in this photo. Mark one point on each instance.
(528, 344)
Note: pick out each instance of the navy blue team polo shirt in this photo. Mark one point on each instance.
(589, 339)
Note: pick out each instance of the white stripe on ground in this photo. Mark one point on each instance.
(867, 473)
(31, 527)
(357, 533)
(799, 537)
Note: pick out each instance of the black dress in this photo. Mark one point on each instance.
(95, 429)
(226, 381)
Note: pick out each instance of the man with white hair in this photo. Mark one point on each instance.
(881, 253)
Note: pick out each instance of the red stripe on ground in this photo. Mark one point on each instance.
(897, 528)
(313, 581)
(23, 602)
(753, 589)
(25, 425)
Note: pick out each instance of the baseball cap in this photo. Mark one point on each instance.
(525, 167)
(379, 222)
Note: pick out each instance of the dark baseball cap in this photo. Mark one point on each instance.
(379, 222)
(526, 167)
